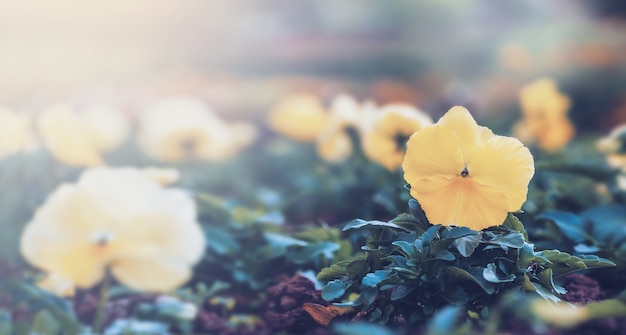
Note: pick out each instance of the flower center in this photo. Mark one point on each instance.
(465, 172)
(401, 140)
(102, 239)
(189, 146)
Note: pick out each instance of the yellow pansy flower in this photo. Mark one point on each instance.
(560, 314)
(464, 175)
(15, 132)
(614, 146)
(301, 117)
(385, 141)
(79, 139)
(116, 219)
(347, 116)
(182, 129)
(544, 111)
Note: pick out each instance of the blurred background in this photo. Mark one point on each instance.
(241, 56)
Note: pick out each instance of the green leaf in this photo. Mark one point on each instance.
(545, 293)
(490, 273)
(418, 213)
(213, 207)
(407, 221)
(512, 240)
(455, 295)
(308, 253)
(467, 244)
(430, 234)
(358, 223)
(401, 291)
(527, 257)
(546, 279)
(220, 241)
(513, 223)
(569, 224)
(593, 261)
(332, 272)
(357, 267)
(607, 224)
(445, 255)
(275, 218)
(284, 241)
(335, 289)
(456, 232)
(45, 324)
(373, 279)
(563, 263)
(457, 274)
(407, 248)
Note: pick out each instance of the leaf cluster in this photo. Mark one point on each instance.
(412, 268)
(250, 247)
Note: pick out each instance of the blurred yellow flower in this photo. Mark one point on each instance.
(464, 175)
(182, 129)
(79, 139)
(106, 126)
(120, 220)
(348, 119)
(15, 132)
(301, 117)
(561, 314)
(385, 141)
(545, 119)
(57, 284)
(614, 146)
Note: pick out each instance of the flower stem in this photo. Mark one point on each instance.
(102, 302)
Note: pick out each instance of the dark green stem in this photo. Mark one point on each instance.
(102, 303)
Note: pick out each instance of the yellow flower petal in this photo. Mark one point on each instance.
(459, 120)
(151, 274)
(434, 151)
(57, 284)
(505, 164)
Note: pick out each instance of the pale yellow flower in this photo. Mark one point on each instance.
(385, 141)
(57, 284)
(66, 138)
(301, 117)
(147, 236)
(561, 314)
(464, 175)
(79, 139)
(181, 129)
(15, 132)
(614, 146)
(348, 119)
(544, 111)
(106, 126)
